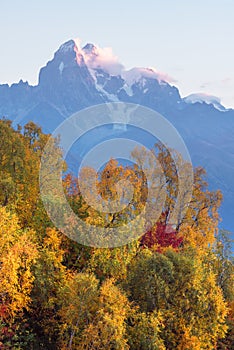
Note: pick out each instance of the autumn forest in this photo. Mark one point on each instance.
(171, 288)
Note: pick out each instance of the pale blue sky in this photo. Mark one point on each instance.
(192, 41)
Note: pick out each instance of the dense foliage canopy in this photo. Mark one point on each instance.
(172, 288)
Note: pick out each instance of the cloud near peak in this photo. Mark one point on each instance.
(96, 57)
(202, 97)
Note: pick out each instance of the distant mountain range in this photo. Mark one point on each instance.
(80, 77)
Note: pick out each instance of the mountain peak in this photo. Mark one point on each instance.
(70, 50)
(90, 49)
(67, 46)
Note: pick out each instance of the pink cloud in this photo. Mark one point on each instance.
(96, 57)
(136, 74)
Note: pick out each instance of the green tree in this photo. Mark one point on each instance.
(184, 291)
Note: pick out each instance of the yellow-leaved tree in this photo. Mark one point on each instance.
(18, 252)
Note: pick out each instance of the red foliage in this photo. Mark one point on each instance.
(3, 311)
(162, 235)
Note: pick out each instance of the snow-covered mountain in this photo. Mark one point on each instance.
(205, 98)
(78, 77)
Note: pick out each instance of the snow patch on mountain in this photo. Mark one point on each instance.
(128, 89)
(61, 67)
(99, 87)
(110, 97)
